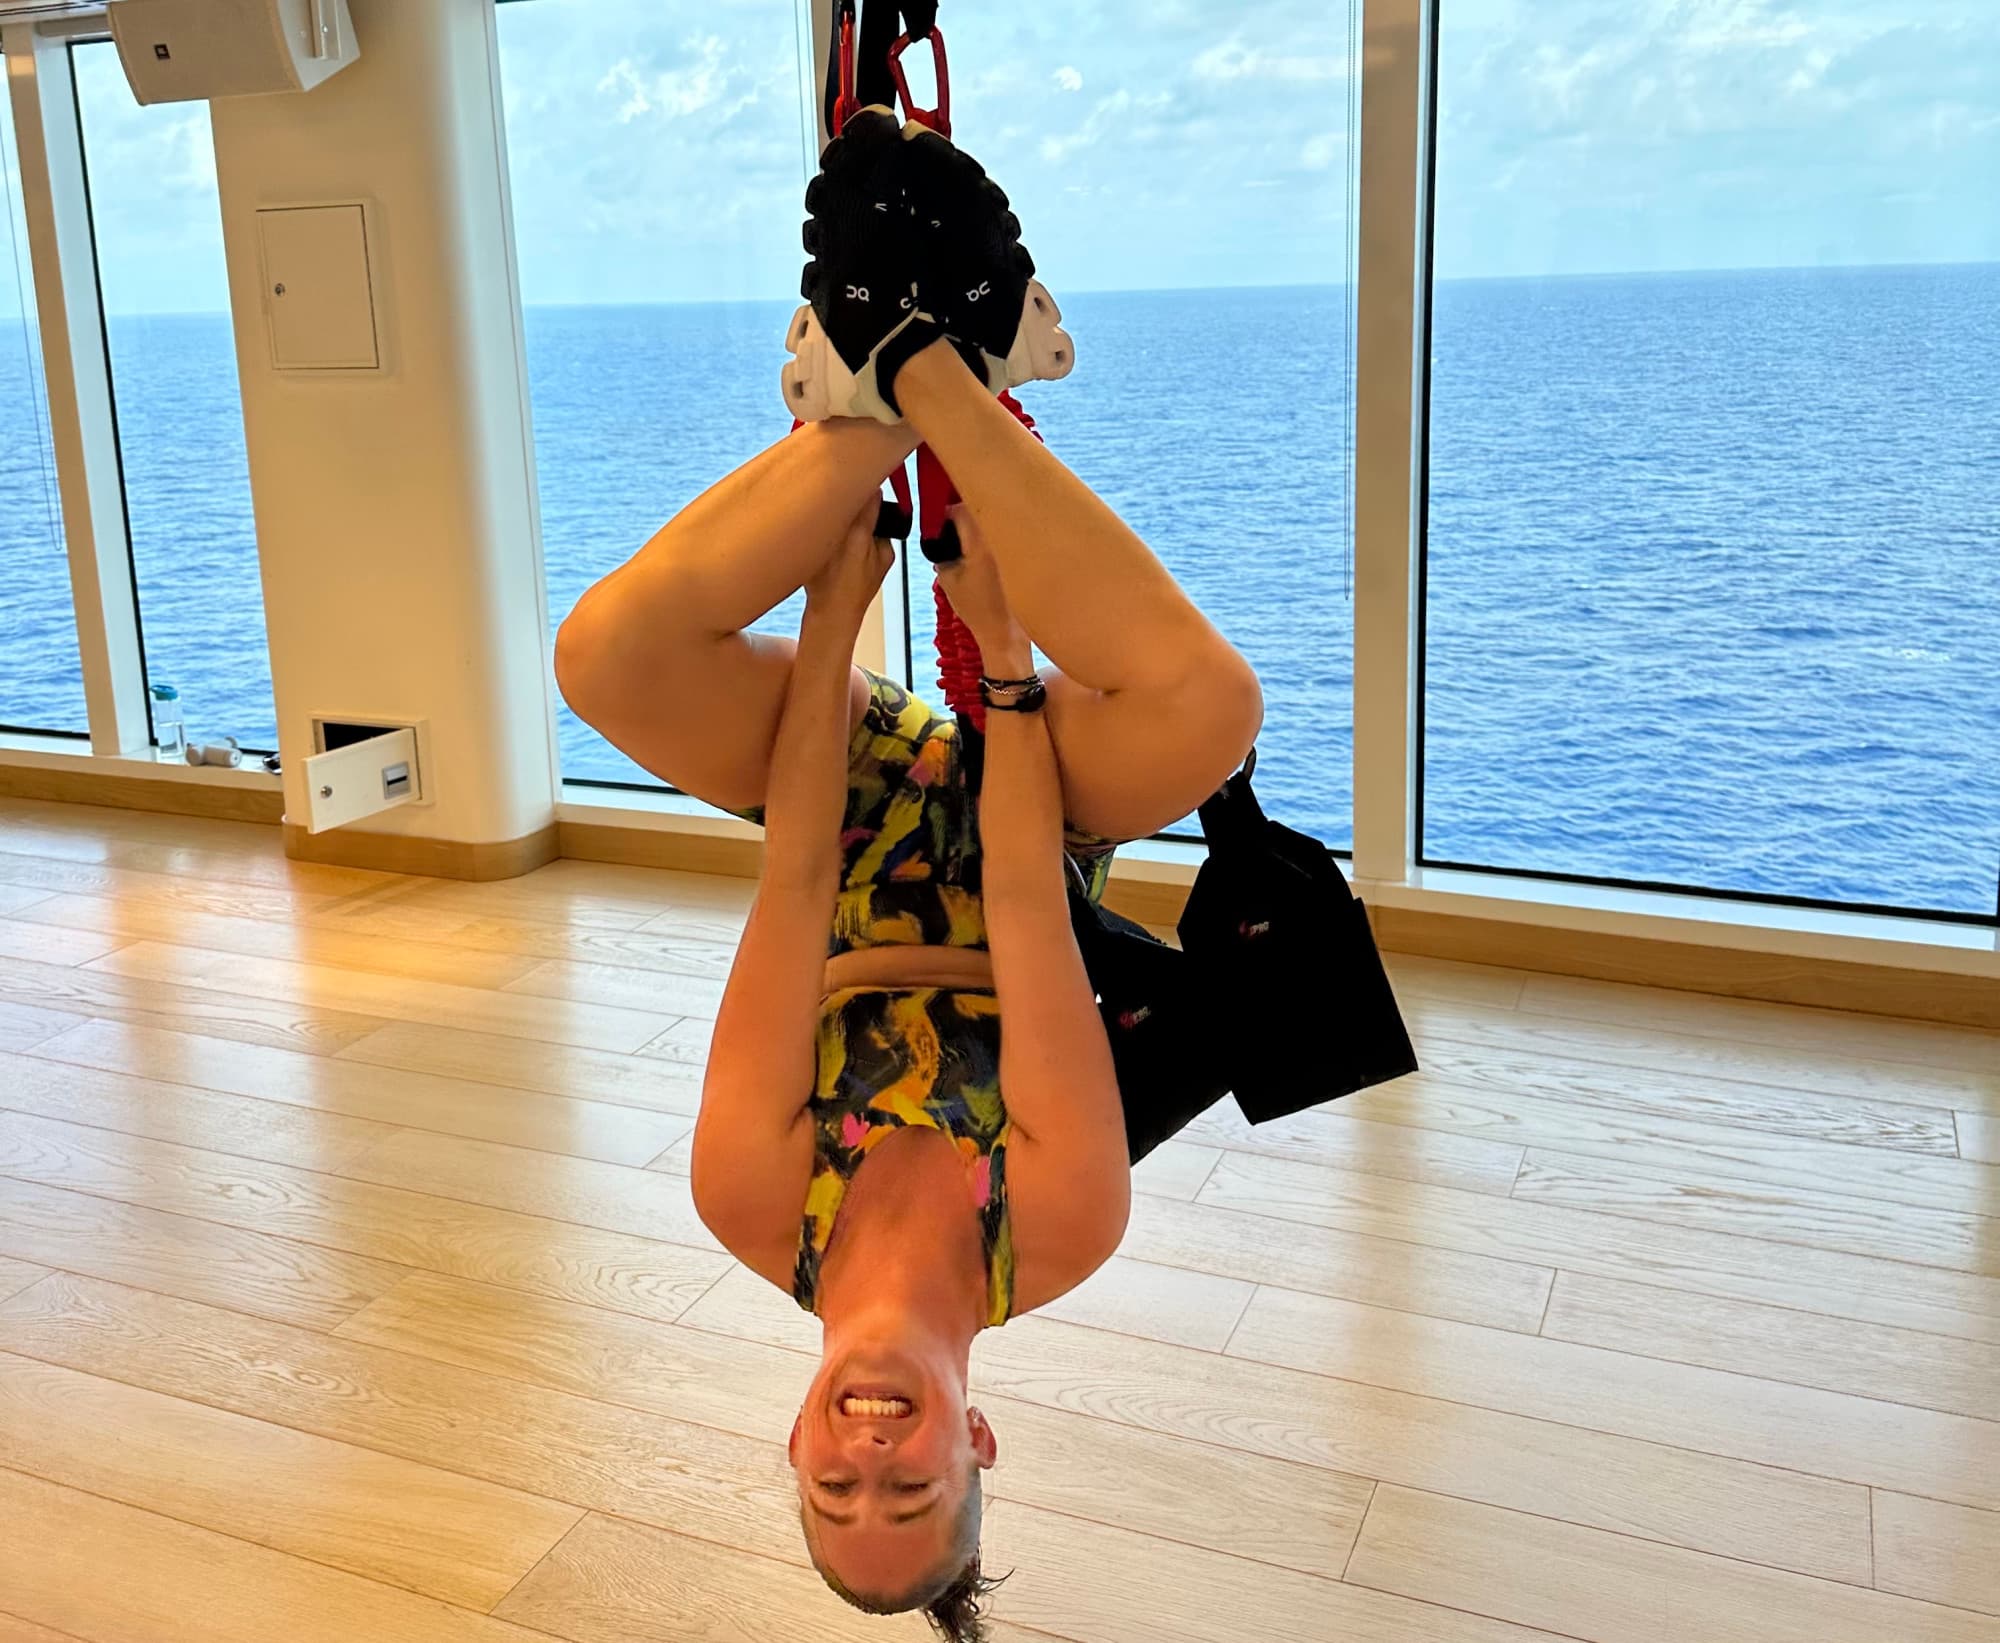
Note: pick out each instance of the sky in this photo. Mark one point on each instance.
(658, 148)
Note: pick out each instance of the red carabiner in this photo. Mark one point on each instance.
(939, 118)
(845, 105)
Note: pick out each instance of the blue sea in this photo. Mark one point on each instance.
(1712, 593)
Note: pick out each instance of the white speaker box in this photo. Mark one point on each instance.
(178, 51)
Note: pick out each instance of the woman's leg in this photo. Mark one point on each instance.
(655, 656)
(1153, 708)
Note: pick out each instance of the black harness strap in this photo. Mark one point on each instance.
(876, 27)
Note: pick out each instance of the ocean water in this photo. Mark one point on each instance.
(1713, 589)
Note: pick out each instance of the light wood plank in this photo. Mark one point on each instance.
(293, 1282)
(1299, 1516)
(1777, 1343)
(532, 898)
(14, 897)
(180, 846)
(1943, 1554)
(1397, 1150)
(1449, 981)
(424, 1101)
(677, 1159)
(22, 1026)
(1608, 1588)
(1516, 1033)
(113, 922)
(213, 895)
(1160, 1303)
(617, 1198)
(1561, 1471)
(1174, 1169)
(552, 1069)
(526, 938)
(15, 1630)
(1452, 1071)
(175, 1583)
(1712, 1149)
(232, 1124)
(1979, 1137)
(685, 1044)
(48, 944)
(1772, 1423)
(1677, 1256)
(391, 1520)
(655, 1468)
(1108, 1584)
(1381, 1271)
(1787, 1026)
(394, 998)
(16, 1276)
(631, 988)
(412, 1229)
(1784, 1214)
(613, 1582)
(82, 991)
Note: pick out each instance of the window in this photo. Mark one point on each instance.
(1186, 188)
(41, 671)
(657, 167)
(165, 288)
(1713, 595)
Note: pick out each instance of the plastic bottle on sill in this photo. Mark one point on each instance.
(169, 728)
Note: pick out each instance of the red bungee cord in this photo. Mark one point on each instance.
(959, 664)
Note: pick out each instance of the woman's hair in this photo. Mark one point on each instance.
(951, 1599)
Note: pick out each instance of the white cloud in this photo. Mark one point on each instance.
(1232, 60)
(675, 93)
(1069, 79)
(1109, 114)
(1320, 152)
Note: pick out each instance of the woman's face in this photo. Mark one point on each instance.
(884, 1448)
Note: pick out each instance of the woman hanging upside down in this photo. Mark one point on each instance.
(910, 1120)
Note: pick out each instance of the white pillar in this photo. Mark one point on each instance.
(57, 205)
(1390, 334)
(396, 513)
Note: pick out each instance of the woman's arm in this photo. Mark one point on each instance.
(752, 1147)
(1067, 1160)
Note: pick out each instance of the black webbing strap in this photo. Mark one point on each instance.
(879, 24)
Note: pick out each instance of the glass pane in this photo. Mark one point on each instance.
(180, 412)
(657, 170)
(41, 673)
(1714, 596)
(1186, 189)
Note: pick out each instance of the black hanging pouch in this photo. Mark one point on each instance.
(1293, 993)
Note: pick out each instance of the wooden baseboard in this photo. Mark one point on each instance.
(1826, 983)
(429, 858)
(737, 858)
(227, 801)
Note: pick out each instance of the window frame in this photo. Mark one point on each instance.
(76, 373)
(1419, 858)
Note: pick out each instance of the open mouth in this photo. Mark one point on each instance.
(875, 1403)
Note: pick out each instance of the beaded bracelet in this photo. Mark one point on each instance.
(1014, 695)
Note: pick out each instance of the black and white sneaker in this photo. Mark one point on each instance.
(974, 276)
(861, 319)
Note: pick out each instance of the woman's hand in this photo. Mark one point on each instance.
(844, 587)
(972, 583)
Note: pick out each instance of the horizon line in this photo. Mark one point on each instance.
(1241, 285)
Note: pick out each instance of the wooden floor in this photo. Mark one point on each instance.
(351, 1292)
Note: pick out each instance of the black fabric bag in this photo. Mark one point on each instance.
(1291, 981)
